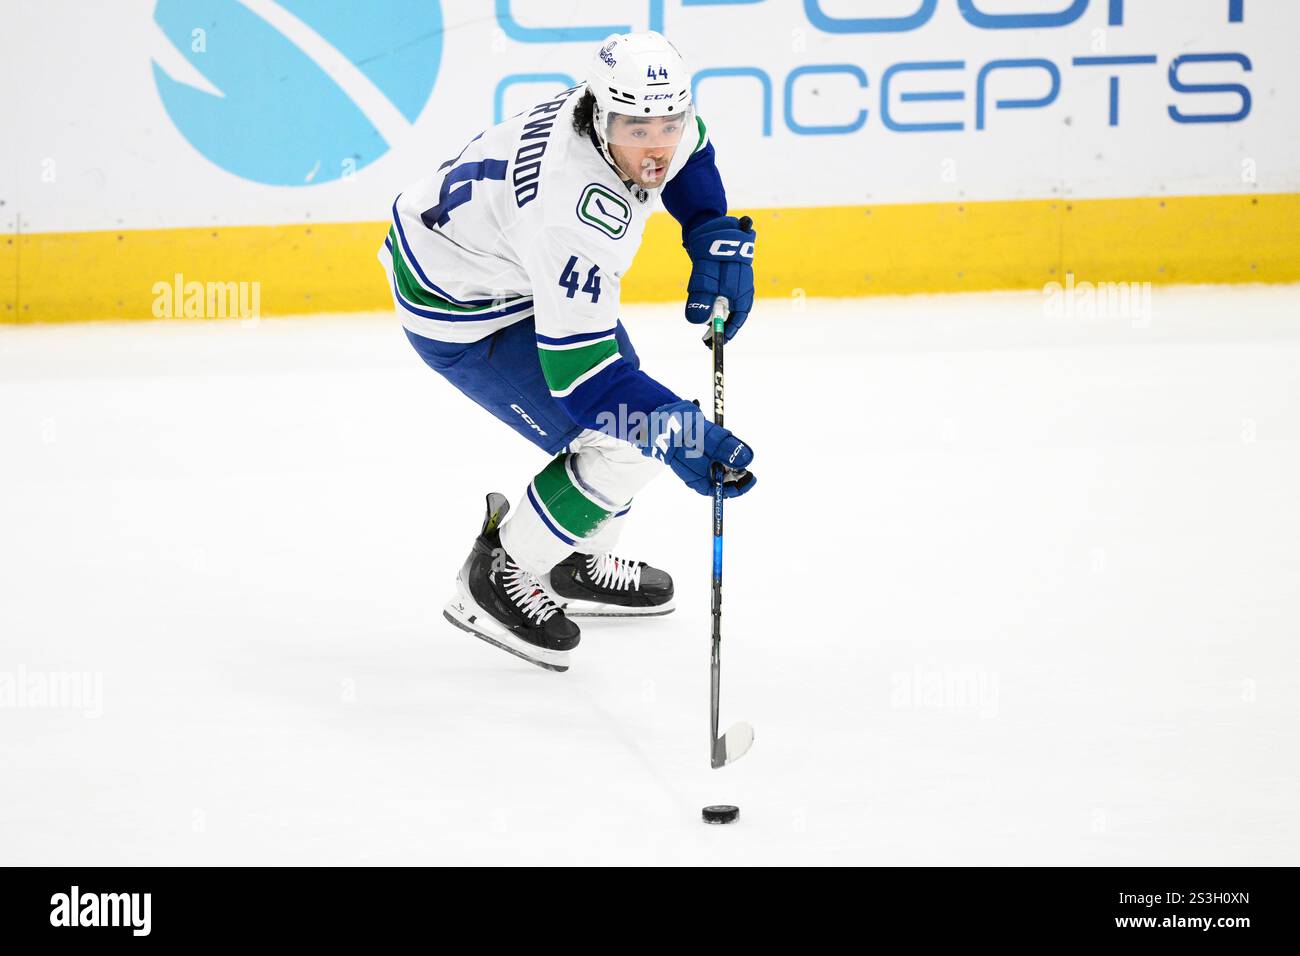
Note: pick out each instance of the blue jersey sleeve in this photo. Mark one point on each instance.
(695, 195)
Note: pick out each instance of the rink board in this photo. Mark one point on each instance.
(836, 251)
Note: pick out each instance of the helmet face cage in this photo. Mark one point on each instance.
(639, 131)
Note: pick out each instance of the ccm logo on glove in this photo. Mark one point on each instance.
(729, 247)
(722, 256)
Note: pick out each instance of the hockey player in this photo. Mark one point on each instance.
(505, 268)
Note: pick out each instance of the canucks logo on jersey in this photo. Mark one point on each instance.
(603, 209)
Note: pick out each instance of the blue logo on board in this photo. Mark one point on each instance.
(296, 92)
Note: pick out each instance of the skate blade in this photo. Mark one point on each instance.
(577, 608)
(463, 612)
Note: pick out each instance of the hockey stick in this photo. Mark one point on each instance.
(735, 743)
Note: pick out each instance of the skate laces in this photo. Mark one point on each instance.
(612, 572)
(526, 591)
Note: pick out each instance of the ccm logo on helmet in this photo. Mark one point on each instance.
(730, 247)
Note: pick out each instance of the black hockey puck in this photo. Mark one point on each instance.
(721, 814)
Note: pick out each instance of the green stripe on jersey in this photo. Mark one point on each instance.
(704, 134)
(565, 502)
(563, 367)
(412, 291)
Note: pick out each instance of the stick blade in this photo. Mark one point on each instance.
(732, 745)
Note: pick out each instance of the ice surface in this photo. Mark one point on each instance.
(1011, 589)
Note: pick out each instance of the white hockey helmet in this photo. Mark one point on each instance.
(640, 75)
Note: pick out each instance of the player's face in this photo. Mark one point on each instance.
(643, 147)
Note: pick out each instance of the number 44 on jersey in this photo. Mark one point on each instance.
(569, 280)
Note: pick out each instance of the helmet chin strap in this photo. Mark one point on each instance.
(598, 122)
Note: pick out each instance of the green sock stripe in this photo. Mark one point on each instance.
(563, 367)
(567, 505)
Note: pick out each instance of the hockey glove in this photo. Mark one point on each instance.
(681, 437)
(722, 256)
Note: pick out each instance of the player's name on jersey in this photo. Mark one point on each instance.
(532, 145)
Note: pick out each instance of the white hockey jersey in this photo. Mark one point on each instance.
(529, 219)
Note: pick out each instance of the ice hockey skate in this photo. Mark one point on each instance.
(605, 585)
(501, 603)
